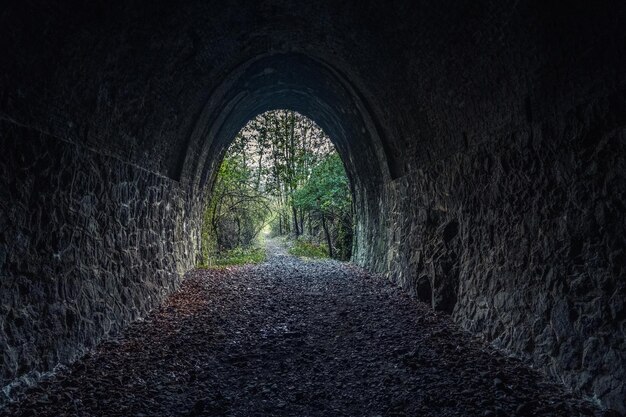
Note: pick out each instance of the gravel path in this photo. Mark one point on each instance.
(291, 337)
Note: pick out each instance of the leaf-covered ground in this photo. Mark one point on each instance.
(295, 338)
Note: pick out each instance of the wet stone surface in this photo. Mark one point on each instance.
(295, 338)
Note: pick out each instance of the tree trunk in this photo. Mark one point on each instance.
(296, 229)
(238, 221)
(326, 232)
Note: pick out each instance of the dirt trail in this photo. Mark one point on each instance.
(291, 337)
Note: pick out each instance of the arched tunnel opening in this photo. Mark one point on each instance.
(280, 177)
(484, 143)
(313, 89)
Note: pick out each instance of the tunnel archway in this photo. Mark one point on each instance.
(314, 89)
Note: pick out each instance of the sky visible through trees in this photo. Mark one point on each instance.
(281, 173)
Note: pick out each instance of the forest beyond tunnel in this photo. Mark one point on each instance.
(281, 175)
(485, 143)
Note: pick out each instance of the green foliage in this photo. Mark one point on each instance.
(237, 209)
(238, 256)
(327, 190)
(326, 197)
(281, 170)
(308, 250)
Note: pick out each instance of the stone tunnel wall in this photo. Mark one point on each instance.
(87, 244)
(521, 238)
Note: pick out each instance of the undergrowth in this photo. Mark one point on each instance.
(237, 256)
(308, 250)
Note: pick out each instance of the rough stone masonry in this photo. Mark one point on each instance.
(485, 141)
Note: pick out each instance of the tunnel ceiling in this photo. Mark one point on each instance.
(135, 77)
(294, 82)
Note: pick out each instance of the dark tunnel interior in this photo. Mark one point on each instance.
(485, 142)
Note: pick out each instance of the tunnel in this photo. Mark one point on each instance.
(485, 142)
(312, 88)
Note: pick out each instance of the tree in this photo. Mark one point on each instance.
(237, 209)
(282, 169)
(326, 195)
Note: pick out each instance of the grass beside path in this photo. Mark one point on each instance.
(241, 256)
(237, 256)
(308, 250)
